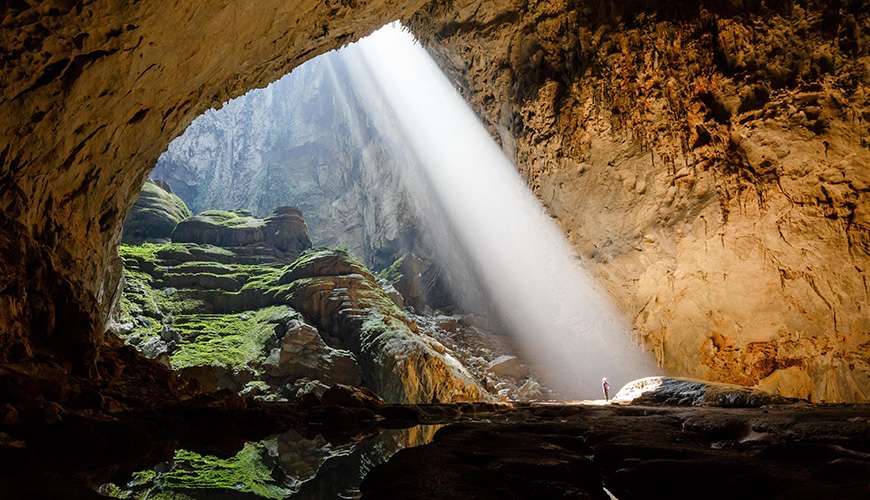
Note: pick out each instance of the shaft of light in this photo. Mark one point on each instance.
(565, 325)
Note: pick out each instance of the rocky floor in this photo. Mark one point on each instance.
(504, 450)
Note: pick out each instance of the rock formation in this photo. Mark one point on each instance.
(285, 230)
(708, 162)
(91, 96)
(154, 215)
(689, 392)
(634, 452)
(237, 302)
(420, 282)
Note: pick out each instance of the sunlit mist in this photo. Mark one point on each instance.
(488, 222)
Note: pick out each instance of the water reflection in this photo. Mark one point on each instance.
(288, 465)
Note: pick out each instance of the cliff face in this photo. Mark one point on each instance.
(303, 141)
(710, 165)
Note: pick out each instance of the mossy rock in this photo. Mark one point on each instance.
(154, 215)
(231, 341)
(194, 475)
(324, 262)
(284, 232)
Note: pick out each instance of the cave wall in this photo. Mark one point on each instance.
(91, 94)
(709, 163)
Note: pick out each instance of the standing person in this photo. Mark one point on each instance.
(606, 387)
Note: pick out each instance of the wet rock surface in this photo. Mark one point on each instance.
(485, 450)
(558, 451)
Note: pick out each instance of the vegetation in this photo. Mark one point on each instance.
(231, 218)
(246, 472)
(392, 273)
(228, 340)
(224, 314)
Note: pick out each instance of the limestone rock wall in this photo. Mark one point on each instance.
(710, 164)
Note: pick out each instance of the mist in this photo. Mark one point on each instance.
(487, 225)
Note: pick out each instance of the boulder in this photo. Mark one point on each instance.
(420, 282)
(397, 363)
(286, 230)
(672, 391)
(305, 391)
(303, 354)
(154, 215)
(324, 262)
(220, 228)
(214, 378)
(508, 366)
(530, 390)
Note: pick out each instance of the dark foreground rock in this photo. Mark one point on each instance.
(675, 391)
(215, 449)
(558, 451)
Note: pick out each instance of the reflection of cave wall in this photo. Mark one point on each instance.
(733, 229)
(710, 164)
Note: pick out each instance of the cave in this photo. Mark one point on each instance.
(705, 162)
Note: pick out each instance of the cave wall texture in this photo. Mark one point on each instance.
(708, 159)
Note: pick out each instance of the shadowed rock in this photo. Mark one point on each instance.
(690, 392)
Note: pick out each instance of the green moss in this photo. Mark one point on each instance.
(176, 303)
(230, 218)
(138, 254)
(138, 298)
(220, 214)
(246, 472)
(392, 274)
(266, 277)
(225, 340)
(314, 253)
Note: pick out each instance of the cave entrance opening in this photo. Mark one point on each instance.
(360, 197)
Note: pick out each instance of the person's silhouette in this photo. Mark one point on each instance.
(606, 387)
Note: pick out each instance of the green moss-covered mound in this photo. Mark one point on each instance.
(284, 231)
(154, 215)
